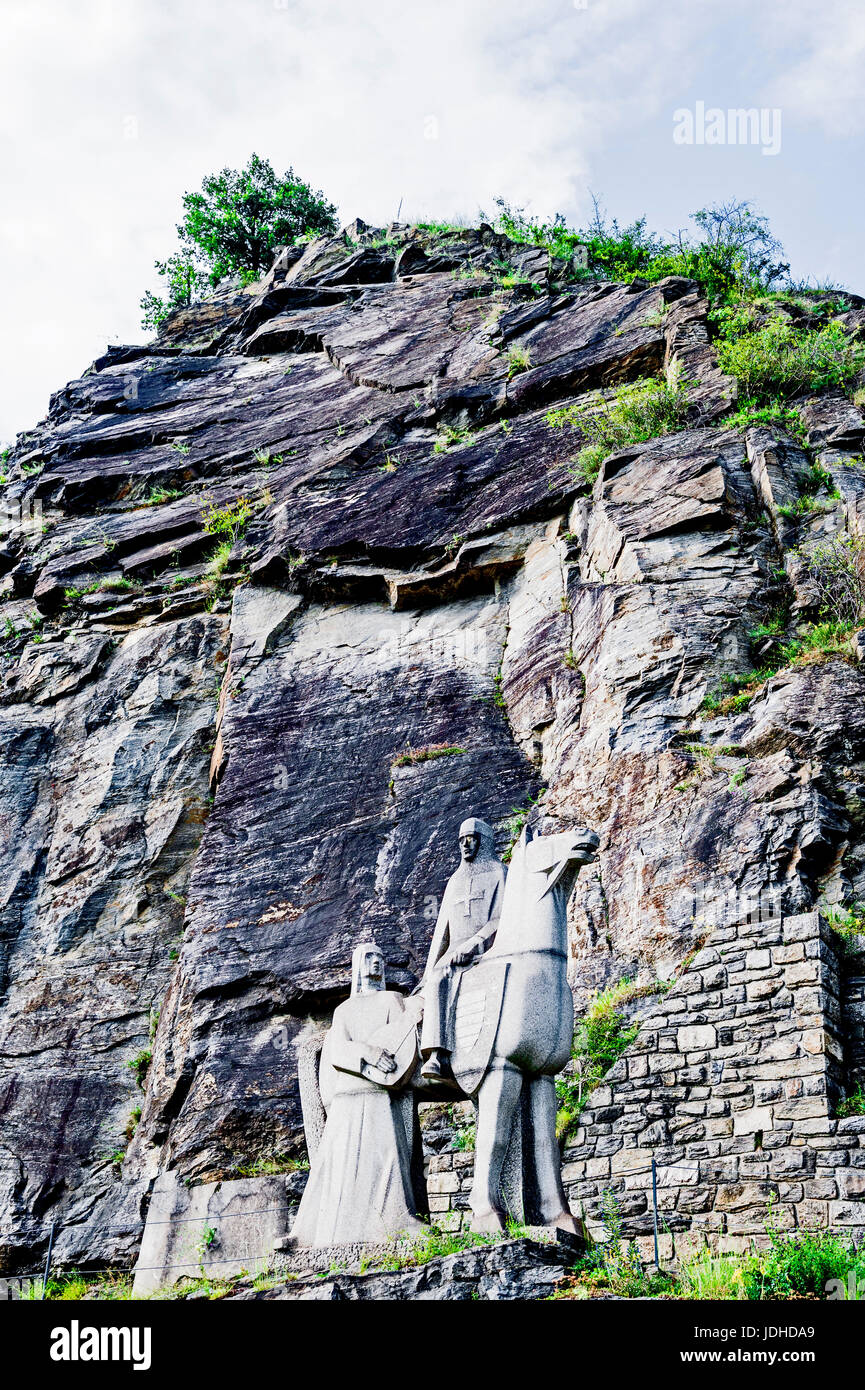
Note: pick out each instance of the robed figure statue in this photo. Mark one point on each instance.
(360, 1181)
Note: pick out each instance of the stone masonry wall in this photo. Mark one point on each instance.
(449, 1182)
(731, 1085)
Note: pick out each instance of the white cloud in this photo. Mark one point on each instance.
(825, 86)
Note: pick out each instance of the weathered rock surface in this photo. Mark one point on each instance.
(199, 800)
(511, 1269)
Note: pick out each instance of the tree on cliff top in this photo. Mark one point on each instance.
(241, 217)
(234, 226)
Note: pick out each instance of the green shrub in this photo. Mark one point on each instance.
(465, 1138)
(836, 569)
(616, 1264)
(796, 1263)
(638, 411)
(183, 283)
(848, 923)
(774, 414)
(588, 463)
(777, 360)
(854, 1104)
(234, 226)
(140, 1066)
(733, 254)
(600, 1039)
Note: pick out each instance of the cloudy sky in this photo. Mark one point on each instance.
(111, 109)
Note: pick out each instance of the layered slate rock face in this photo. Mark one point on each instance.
(210, 782)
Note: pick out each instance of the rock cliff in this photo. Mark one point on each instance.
(293, 588)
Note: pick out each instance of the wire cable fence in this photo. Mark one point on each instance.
(210, 1221)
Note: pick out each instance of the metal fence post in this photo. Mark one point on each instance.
(48, 1259)
(655, 1208)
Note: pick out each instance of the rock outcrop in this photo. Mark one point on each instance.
(217, 774)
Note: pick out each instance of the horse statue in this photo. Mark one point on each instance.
(510, 1031)
(513, 1026)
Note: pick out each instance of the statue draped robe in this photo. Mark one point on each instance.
(359, 1188)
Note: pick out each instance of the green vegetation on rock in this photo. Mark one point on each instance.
(235, 225)
(637, 411)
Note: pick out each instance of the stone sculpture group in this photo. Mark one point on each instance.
(492, 1020)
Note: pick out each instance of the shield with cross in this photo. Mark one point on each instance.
(474, 1020)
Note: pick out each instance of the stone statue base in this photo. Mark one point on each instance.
(356, 1258)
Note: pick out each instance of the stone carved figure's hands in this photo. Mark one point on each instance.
(463, 954)
(382, 1061)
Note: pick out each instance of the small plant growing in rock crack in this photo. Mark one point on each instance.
(435, 1244)
(854, 1104)
(158, 495)
(704, 756)
(206, 1241)
(140, 1065)
(498, 696)
(519, 360)
(264, 457)
(230, 521)
(518, 817)
(451, 437)
(815, 482)
(272, 1167)
(179, 446)
(849, 925)
(409, 756)
(219, 562)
